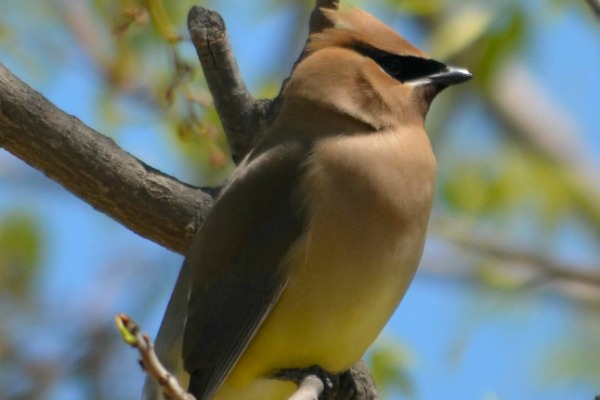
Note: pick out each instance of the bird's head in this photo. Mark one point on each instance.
(362, 68)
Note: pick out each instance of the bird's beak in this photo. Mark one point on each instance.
(451, 76)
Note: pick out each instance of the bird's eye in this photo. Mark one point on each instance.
(392, 66)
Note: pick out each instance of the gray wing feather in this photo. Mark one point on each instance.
(236, 267)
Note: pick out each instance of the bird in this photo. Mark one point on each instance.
(316, 236)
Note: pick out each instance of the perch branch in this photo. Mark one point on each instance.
(309, 389)
(95, 168)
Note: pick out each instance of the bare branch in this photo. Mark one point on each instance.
(241, 115)
(358, 384)
(542, 266)
(244, 118)
(309, 389)
(95, 168)
(131, 334)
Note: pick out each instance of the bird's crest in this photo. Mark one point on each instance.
(355, 28)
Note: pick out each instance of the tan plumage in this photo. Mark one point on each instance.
(317, 235)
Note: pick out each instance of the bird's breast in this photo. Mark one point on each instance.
(368, 200)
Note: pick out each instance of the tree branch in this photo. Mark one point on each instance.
(94, 168)
(542, 267)
(241, 115)
(309, 389)
(359, 384)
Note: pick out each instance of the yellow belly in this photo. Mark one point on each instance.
(336, 303)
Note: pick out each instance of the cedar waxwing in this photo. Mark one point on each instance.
(317, 235)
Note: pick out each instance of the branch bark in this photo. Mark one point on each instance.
(309, 389)
(93, 167)
(243, 118)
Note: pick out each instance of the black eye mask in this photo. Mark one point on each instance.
(403, 68)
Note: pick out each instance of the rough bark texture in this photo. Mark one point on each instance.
(238, 110)
(93, 167)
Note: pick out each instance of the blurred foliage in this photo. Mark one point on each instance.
(140, 55)
(459, 31)
(20, 252)
(498, 186)
(499, 43)
(569, 363)
(390, 363)
(418, 7)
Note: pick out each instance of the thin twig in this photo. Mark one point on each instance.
(549, 268)
(132, 335)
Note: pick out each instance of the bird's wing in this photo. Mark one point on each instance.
(236, 267)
